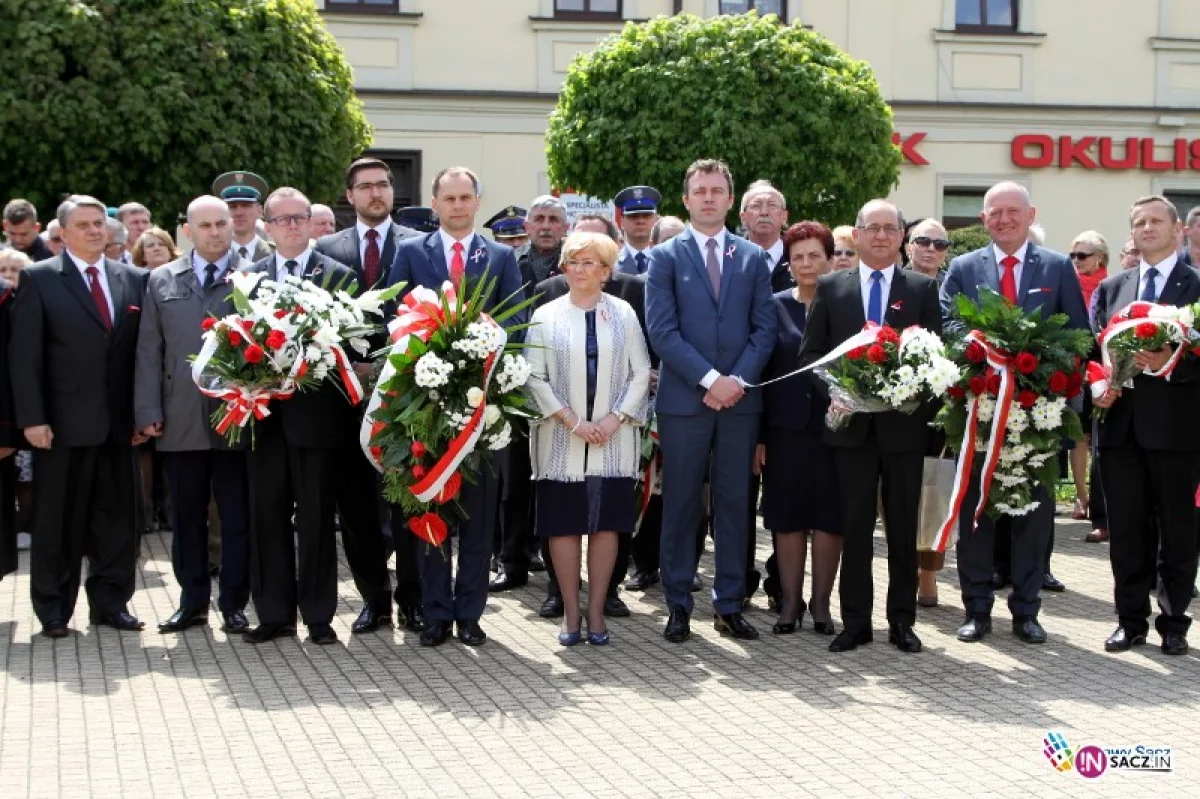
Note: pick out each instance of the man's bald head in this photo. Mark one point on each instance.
(209, 227)
(206, 202)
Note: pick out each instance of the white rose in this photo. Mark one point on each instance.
(474, 396)
(491, 415)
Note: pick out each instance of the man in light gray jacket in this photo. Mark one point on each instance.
(168, 406)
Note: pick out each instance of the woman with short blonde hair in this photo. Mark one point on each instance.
(154, 248)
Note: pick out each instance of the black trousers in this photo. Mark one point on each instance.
(644, 543)
(400, 540)
(192, 479)
(357, 497)
(860, 473)
(86, 498)
(1152, 533)
(517, 538)
(466, 598)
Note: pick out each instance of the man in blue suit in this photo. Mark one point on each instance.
(1036, 279)
(711, 321)
(455, 252)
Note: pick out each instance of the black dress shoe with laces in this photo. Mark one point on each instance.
(369, 620)
(413, 617)
(236, 622)
(1123, 639)
(679, 626)
(121, 620)
(1052, 583)
(266, 632)
(847, 640)
(470, 633)
(903, 638)
(435, 633)
(734, 624)
(183, 618)
(615, 607)
(552, 608)
(640, 581)
(506, 580)
(55, 629)
(1174, 644)
(322, 634)
(1029, 631)
(974, 628)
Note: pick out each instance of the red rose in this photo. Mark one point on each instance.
(1139, 311)
(978, 385)
(1146, 330)
(235, 338)
(857, 353)
(254, 354)
(418, 471)
(417, 449)
(428, 527)
(1058, 383)
(276, 339)
(208, 323)
(956, 392)
(1074, 380)
(450, 489)
(1026, 363)
(993, 384)
(280, 313)
(1074, 391)
(887, 335)
(877, 354)
(1026, 399)
(975, 353)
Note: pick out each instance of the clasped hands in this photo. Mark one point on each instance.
(724, 393)
(592, 432)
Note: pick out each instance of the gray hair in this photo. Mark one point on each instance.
(68, 206)
(761, 187)
(1097, 242)
(285, 192)
(116, 231)
(132, 208)
(548, 201)
(859, 220)
(1007, 185)
(1193, 215)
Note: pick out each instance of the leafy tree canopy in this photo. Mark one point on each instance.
(775, 102)
(968, 239)
(150, 100)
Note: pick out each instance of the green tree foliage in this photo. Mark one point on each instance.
(968, 239)
(149, 100)
(775, 102)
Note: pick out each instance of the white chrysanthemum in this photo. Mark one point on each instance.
(491, 415)
(431, 371)
(987, 408)
(1018, 419)
(1047, 414)
(514, 372)
(500, 439)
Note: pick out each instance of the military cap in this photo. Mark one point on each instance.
(418, 217)
(240, 187)
(508, 223)
(636, 200)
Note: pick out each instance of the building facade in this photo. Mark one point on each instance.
(1089, 103)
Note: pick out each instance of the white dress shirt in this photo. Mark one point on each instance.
(1164, 267)
(384, 229)
(82, 266)
(1000, 255)
(776, 253)
(281, 271)
(885, 289)
(448, 243)
(199, 265)
(702, 242)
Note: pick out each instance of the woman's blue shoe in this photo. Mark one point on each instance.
(570, 639)
(598, 639)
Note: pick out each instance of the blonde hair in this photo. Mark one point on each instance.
(1098, 243)
(139, 246)
(604, 247)
(10, 257)
(844, 232)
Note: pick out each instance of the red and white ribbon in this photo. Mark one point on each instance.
(863, 338)
(1000, 361)
(242, 403)
(1100, 379)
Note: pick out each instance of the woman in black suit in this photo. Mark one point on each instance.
(800, 488)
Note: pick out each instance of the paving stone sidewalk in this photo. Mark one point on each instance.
(104, 713)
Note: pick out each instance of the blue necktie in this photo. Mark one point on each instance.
(641, 262)
(875, 300)
(1148, 292)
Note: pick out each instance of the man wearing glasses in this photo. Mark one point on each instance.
(764, 213)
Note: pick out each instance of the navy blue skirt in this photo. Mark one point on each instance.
(799, 483)
(598, 504)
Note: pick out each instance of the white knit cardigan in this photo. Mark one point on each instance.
(557, 353)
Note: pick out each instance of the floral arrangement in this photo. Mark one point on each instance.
(1018, 372)
(881, 369)
(1140, 327)
(285, 337)
(452, 381)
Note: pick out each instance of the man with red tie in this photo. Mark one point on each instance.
(72, 351)
(455, 252)
(1036, 279)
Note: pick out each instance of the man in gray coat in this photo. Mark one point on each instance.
(168, 406)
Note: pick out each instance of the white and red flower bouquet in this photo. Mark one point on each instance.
(1140, 327)
(452, 381)
(285, 337)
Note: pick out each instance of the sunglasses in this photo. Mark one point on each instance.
(941, 245)
(844, 253)
(1080, 256)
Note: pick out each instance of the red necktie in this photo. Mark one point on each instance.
(371, 259)
(98, 296)
(1008, 280)
(457, 268)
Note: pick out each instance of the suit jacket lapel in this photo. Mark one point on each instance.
(388, 253)
(1180, 276)
(1126, 292)
(433, 250)
(185, 275)
(78, 287)
(691, 251)
(990, 276)
(1032, 269)
(350, 249)
(477, 257)
(118, 289)
(897, 296)
(730, 261)
(854, 300)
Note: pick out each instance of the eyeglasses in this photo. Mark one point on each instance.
(583, 264)
(759, 205)
(941, 245)
(1080, 256)
(875, 230)
(289, 219)
(381, 186)
(844, 253)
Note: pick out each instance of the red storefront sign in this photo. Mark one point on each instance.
(1037, 151)
(908, 147)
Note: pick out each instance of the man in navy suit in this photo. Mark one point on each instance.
(1036, 279)
(455, 252)
(712, 322)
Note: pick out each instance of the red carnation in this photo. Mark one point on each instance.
(235, 338)
(417, 449)
(1026, 363)
(1058, 383)
(254, 354)
(208, 323)
(975, 353)
(978, 385)
(418, 472)
(887, 335)
(279, 314)
(956, 392)
(428, 527)
(450, 489)
(276, 339)
(993, 384)
(876, 354)
(1146, 330)
(1139, 311)
(857, 353)
(1026, 399)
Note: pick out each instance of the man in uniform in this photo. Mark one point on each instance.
(637, 208)
(244, 191)
(508, 226)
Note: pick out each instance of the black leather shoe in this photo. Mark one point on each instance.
(735, 624)
(1029, 631)
(470, 633)
(615, 606)
(506, 580)
(679, 627)
(236, 622)
(974, 629)
(847, 640)
(552, 608)
(903, 638)
(1052, 583)
(1123, 639)
(1000, 580)
(697, 583)
(824, 627)
(413, 617)
(55, 629)
(266, 632)
(536, 564)
(1174, 644)
(322, 634)
(435, 633)
(369, 620)
(120, 620)
(183, 618)
(640, 581)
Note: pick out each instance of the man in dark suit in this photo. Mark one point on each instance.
(1039, 280)
(168, 406)
(765, 215)
(1149, 448)
(299, 450)
(21, 228)
(458, 254)
(876, 448)
(75, 327)
(712, 322)
(369, 248)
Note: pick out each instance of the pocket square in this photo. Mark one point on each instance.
(1043, 288)
(895, 306)
(133, 309)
